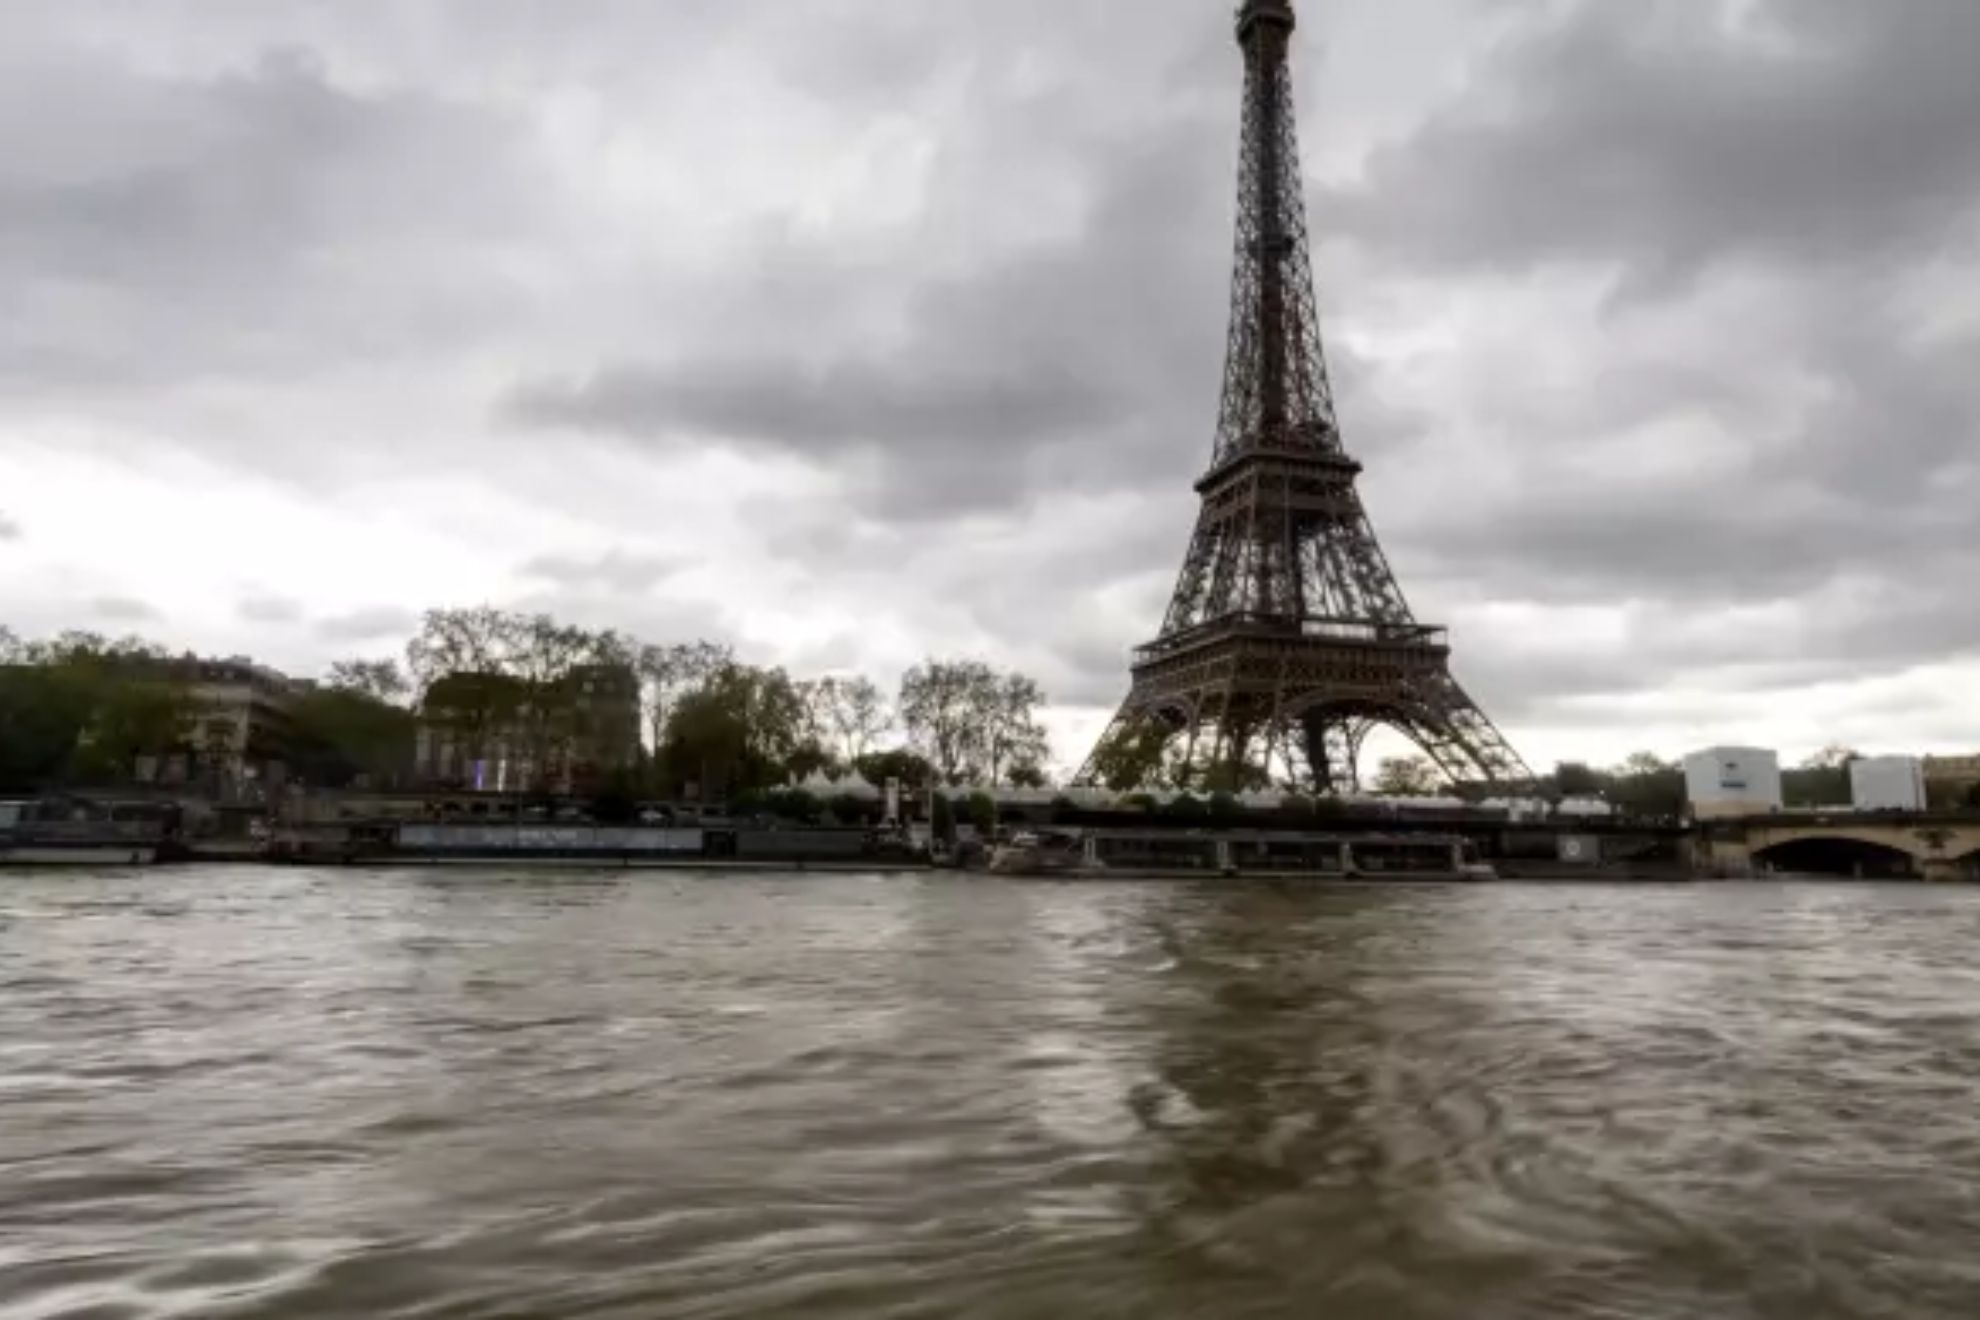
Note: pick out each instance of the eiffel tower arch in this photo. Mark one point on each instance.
(1287, 640)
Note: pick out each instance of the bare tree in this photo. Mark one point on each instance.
(943, 704)
(380, 680)
(855, 712)
(1406, 776)
(1012, 735)
(469, 641)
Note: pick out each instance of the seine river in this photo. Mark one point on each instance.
(249, 1092)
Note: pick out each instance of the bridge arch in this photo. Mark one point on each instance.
(1840, 854)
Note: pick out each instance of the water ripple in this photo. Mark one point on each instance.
(241, 1093)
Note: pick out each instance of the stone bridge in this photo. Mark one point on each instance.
(1863, 844)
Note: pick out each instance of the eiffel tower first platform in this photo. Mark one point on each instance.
(1287, 640)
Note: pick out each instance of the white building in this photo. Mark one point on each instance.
(1887, 783)
(1732, 781)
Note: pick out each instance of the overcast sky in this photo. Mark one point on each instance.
(854, 330)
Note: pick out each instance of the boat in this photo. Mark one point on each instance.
(74, 831)
(1153, 854)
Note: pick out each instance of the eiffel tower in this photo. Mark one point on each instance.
(1287, 640)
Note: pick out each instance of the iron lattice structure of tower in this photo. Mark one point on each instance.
(1287, 640)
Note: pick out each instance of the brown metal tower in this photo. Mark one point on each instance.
(1287, 639)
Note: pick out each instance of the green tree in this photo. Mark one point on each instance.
(914, 771)
(983, 813)
(344, 737)
(1028, 774)
(667, 673)
(1645, 785)
(1132, 758)
(1576, 780)
(43, 712)
(737, 731)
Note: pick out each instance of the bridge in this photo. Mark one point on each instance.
(1868, 845)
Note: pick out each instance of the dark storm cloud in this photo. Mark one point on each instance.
(1091, 355)
(1661, 134)
(262, 221)
(1781, 203)
(991, 324)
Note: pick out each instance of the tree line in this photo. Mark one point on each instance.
(82, 708)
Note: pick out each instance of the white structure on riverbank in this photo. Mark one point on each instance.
(1732, 781)
(1887, 783)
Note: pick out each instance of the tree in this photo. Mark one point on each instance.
(1132, 757)
(1231, 776)
(943, 705)
(855, 713)
(43, 711)
(460, 641)
(1648, 786)
(1575, 779)
(1012, 734)
(736, 731)
(1029, 774)
(667, 673)
(1185, 806)
(343, 737)
(1833, 757)
(915, 772)
(1405, 776)
(983, 813)
(380, 680)
(133, 717)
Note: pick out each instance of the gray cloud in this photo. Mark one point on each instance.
(1090, 356)
(616, 570)
(268, 609)
(375, 623)
(1650, 329)
(123, 609)
(9, 529)
(1664, 134)
(158, 227)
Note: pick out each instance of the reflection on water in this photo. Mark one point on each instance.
(260, 1093)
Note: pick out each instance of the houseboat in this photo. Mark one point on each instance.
(75, 831)
(1128, 854)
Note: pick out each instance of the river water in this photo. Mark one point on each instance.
(241, 1092)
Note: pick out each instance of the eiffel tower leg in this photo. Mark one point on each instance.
(1456, 734)
(1332, 751)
